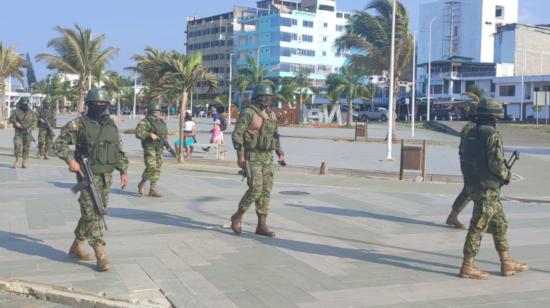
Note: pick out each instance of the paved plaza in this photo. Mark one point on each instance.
(341, 241)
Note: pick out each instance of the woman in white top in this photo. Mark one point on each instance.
(189, 135)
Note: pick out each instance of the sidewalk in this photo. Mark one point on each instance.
(341, 241)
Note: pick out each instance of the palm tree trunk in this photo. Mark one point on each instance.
(81, 94)
(118, 109)
(2, 97)
(181, 124)
(350, 111)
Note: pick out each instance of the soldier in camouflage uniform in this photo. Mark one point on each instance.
(45, 137)
(485, 171)
(95, 137)
(255, 138)
(464, 197)
(23, 120)
(148, 131)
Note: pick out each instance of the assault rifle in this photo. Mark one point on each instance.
(26, 129)
(163, 140)
(86, 181)
(48, 126)
(512, 160)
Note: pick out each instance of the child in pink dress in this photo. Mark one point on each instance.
(217, 137)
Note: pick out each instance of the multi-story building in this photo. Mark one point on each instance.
(451, 78)
(463, 28)
(213, 37)
(288, 36)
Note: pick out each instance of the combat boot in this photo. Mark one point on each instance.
(262, 229)
(509, 267)
(77, 251)
(452, 220)
(103, 264)
(141, 187)
(46, 154)
(17, 163)
(153, 191)
(236, 221)
(468, 270)
(24, 164)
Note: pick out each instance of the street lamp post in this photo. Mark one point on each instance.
(413, 103)
(135, 96)
(392, 82)
(230, 96)
(429, 69)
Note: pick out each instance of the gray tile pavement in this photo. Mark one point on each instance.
(346, 242)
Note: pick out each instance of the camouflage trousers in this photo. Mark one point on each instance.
(153, 163)
(21, 144)
(487, 211)
(260, 181)
(462, 199)
(90, 225)
(45, 140)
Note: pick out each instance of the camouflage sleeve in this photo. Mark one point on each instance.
(278, 147)
(245, 119)
(66, 138)
(12, 119)
(122, 163)
(495, 157)
(34, 120)
(143, 130)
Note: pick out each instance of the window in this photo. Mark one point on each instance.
(325, 25)
(507, 90)
(326, 8)
(347, 16)
(457, 87)
(307, 38)
(324, 39)
(287, 22)
(499, 12)
(493, 87)
(307, 24)
(339, 28)
(294, 22)
(339, 15)
(469, 85)
(288, 37)
(324, 53)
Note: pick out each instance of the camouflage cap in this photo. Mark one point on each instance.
(262, 89)
(153, 106)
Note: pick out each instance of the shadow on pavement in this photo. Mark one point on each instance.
(116, 191)
(357, 213)
(161, 218)
(35, 247)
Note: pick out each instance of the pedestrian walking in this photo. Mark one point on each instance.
(486, 171)
(95, 137)
(255, 138)
(189, 133)
(24, 120)
(46, 124)
(151, 131)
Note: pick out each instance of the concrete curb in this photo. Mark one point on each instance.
(72, 298)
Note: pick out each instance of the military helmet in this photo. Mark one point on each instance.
(45, 102)
(490, 107)
(153, 106)
(262, 89)
(97, 95)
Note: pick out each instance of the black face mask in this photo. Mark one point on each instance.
(96, 111)
(487, 120)
(264, 101)
(24, 107)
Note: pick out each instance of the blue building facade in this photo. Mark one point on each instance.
(286, 37)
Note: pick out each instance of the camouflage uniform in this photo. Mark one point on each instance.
(485, 171)
(256, 137)
(45, 138)
(90, 226)
(23, 138)
(152, 150)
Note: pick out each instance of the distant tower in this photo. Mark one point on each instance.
(451, 28)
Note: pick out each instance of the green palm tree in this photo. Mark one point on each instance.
(78, 53)
(149, 67)
(241, 82)
(286, 90)
(302, 82)
(369, 33)
(475, 93)
(11, 63)
(347, 83)
(114, 84)
(222, 100)
(181, 73)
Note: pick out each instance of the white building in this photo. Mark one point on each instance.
(463, 28)
(518, 94)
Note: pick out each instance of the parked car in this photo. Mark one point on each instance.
(444, 114)
(376, 113)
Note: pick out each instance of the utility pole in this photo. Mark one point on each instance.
(392, 83)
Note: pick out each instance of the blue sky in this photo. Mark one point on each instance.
(131, 25)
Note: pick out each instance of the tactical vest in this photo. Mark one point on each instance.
(159, 128)
(262, 133)
(48, 115)
(474, 161)
(100, 143)
(24, 118)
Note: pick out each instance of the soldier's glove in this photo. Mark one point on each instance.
(508, 179)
